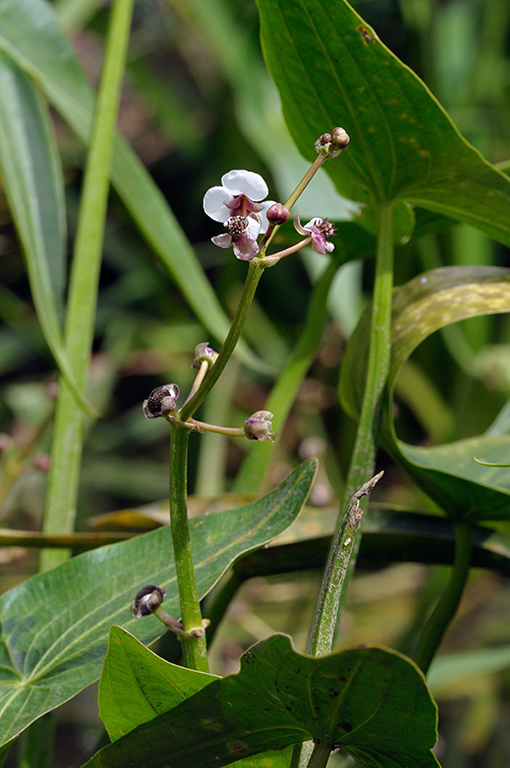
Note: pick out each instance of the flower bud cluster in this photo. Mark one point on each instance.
(331, 145)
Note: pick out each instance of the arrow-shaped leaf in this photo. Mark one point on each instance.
(136, 686)
(372, 702)
(331, 69)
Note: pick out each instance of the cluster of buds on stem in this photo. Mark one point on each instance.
(332, 144)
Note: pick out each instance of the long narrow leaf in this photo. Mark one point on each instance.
(32, 179)
(30, 34)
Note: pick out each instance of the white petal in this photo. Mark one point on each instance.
(245, 183)
(224, 241)
(253, 229)
(215, 200)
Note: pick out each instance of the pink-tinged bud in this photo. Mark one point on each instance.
(277, 214)
(340, 138)
(204, 354)
(147, 600)
(331, 145)
(161, 401)
(258, 426)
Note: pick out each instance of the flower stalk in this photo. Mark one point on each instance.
(239, 203)
(346, 541)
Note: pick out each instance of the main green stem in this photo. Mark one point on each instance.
(448, 604)
(345, 542)
(194, 648)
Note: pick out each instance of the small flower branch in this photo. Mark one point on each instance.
(252, 280)
(327, 146)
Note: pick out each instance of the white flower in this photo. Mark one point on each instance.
(237, 204)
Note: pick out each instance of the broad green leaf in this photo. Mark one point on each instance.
(372, 702)
(32, 37)
(449, 474)
(54, 627)
(136, 686)
(331, 69)
(33, 184)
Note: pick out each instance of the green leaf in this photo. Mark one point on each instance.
(55, 626)
(32, 37)
(372, 702)
(331, 69)
(449, 474)
(136, 686)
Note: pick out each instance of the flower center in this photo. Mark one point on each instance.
(236, 226)
(326, 227)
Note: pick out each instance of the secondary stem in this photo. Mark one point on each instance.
(194, 648)
(446, 608)
(346, 540)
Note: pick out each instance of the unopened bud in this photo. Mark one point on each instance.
(147, 600)
(340, 138)
(258, 426)
(277, 214)
(331, 145)
(161, 401)
(204, 353)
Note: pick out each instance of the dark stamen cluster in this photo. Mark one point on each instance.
(235, 226)
(327, 228)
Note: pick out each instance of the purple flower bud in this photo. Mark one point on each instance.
(278, 214)
(161, 401)
(204, 353)
(147, 600)
(258, 426)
